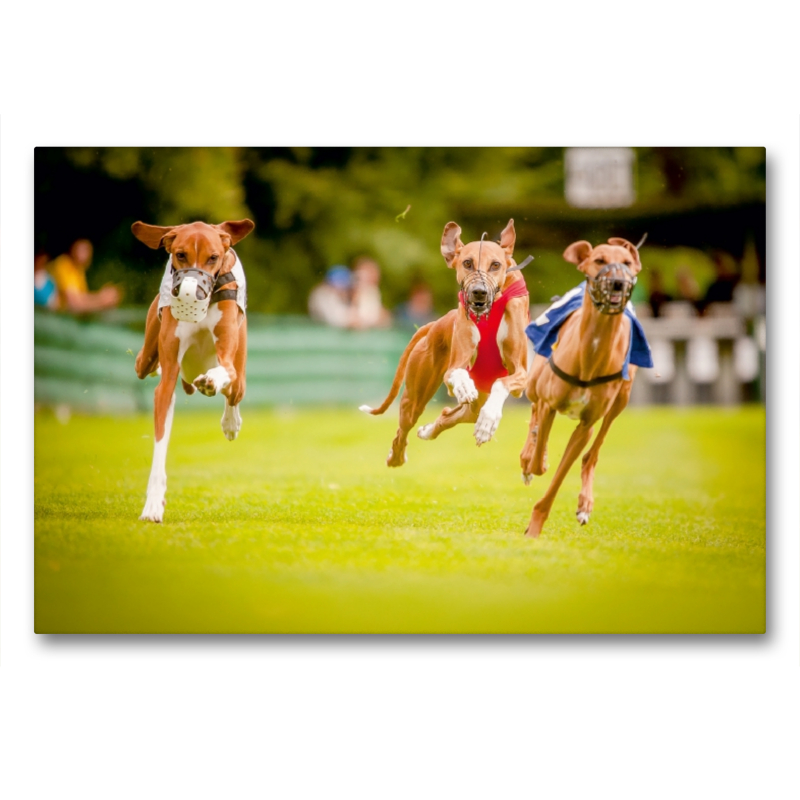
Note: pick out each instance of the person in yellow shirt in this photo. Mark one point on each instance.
(69, 273)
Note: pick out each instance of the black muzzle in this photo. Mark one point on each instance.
(611, 289)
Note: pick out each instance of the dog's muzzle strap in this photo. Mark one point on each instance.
(521, 265)
(223, 294)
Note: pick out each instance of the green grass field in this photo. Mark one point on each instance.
(299, 526)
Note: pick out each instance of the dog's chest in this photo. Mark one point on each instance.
(575, 402)
(197, 342)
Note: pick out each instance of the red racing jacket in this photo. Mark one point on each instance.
(488, 366)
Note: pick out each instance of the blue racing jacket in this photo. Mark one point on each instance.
(543, 331)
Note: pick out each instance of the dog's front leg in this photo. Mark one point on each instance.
(463, 347)
(541, 511)
(226, 340)
(231, 418)
(147, 359)
(163, 410)
(514, 349)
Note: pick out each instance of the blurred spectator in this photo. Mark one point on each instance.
(330, 301)
(688, 288)
(45, 294)
(368, 310)
(658, 296)
(418, 309)
(69, 273)
(721, 288)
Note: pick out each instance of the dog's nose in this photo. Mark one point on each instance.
(478, 295)
(618, 286)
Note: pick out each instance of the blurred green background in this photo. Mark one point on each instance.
(316, 207)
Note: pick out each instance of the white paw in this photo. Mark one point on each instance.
(527, 477)
(491, 414)
(365, 409)
(463, 387)
(231, 422)
(425, 431)
(583, 517)
(153, 509)
(215, 380)
(486, 426)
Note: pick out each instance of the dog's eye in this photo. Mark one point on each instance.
(181, 256)
(599, 261)
(495, 266)
(213, 259)
(626, 263)
(467, 264)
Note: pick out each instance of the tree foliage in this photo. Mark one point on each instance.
(316, 207)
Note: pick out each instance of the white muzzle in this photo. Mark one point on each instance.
(190, 300)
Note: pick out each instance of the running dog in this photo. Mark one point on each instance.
(479, 349)
(588, 348)
(196, 327)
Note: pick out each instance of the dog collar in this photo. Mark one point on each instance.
(571, 379)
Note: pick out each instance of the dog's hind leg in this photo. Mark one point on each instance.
(449, 418)
(164, 408)
(526, 456)
(411, 408)
(544, 419)
(421, 386)
(586, 497)
(423, 376)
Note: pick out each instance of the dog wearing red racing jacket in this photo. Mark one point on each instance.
(479, 349)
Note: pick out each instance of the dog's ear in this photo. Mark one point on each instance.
(578, 252)
(154, 236)
(451, 242)
(631, 248)
(508, 237)
(233, 232)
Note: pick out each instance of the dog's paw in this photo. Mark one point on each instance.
(583, 517)
(486, 426)
(396, 459)
(527, 478)
(215, 380)
(491, 414)
(231, 422)
(463, 387)
(426, 431)
(153, 510)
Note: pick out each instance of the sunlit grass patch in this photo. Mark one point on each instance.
(300, 526)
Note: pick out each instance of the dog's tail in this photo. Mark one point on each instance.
(400, 375)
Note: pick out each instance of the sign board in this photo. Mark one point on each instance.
(599, 177)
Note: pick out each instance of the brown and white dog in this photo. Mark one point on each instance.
(479, 349)
(583, 378)
(208, 346)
